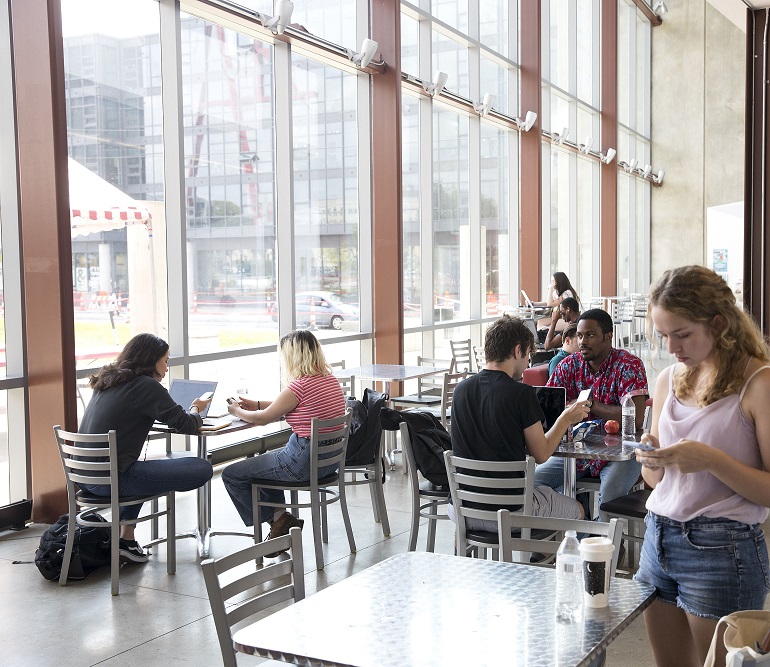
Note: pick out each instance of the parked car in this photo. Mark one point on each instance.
(323, 307)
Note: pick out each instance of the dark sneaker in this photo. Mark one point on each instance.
(281, 527)
(131, 552)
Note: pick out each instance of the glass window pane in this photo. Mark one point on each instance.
(495, 27)
(451, 220)
(229, 187)
(410, 45)
(325, 117)
(585, 50)
(6, 469)
(557, 224)
(495, 225)
(410, 178)
(452, 12)
(587, 180)
(625, 14)
(494, 79)
(560, 44)
(451, 57)
(114, 135)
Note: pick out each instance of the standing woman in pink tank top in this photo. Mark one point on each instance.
(704, 550)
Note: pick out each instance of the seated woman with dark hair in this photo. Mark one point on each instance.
(129, 398)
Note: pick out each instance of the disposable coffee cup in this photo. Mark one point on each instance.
(596, 553)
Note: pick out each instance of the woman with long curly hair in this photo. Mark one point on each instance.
(704, 550)
(129, 398)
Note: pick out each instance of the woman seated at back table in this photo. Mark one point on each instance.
(129, 398)
(561, 288)
(311, 391)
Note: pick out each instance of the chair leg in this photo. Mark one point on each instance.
(171, 533)
(433, 511)
(114, 544)
(315, 512)
(154, 520)
(65, 565)
(375, 499)
(346, 519)
(324, 517)
(379, 493)
(255, 509)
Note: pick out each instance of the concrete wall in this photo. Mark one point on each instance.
(698, 92)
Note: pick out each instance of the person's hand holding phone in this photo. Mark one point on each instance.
(647, 451)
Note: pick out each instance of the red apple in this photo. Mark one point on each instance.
(611, 426)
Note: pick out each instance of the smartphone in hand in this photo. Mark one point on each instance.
(644, 447)
(584, 395)
(207, 396)
(231, 400)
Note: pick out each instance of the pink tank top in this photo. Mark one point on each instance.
(722, 425)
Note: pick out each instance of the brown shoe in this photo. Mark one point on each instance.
(281, 527)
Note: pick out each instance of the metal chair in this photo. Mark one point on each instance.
(478, 355)
(271, 580)
(428, 387)
(631, 509)
(622, 318)
(93, 459)
(448, 386)
(462, 359)
(368, 459)
(514, 533)
(328, 446)
(347, 383)
(426, 498)
(512, 486)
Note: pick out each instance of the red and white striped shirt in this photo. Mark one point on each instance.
(317, 396)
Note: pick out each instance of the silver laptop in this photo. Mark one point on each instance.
(530, 304)
(530, 323)
(185, 392)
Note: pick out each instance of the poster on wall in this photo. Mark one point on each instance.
(719, 262)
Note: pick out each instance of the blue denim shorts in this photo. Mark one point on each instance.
(706, 567)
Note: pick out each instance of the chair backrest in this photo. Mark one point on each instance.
(88, 459)
(347, 382)
(462, 361)
(450, 382)
(328, 443)
(478, 355)
(271, 580)
(523, 542)
(536, 376)
(431, 384)
(478, 496)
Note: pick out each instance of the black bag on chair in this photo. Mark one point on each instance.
(365, 428)
(429, 441)
(91, 548)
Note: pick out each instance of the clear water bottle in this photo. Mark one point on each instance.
(629, 417)
(569, 579)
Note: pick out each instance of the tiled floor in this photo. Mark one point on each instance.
(165, 620)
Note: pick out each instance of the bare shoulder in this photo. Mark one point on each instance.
(757, 375)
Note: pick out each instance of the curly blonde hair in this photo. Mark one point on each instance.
(699, 295)
(301, 355)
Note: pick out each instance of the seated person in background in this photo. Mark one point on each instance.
(567, 313)
(569, 346)
(496, 418)
(561, 288)
(311, 391)
(128, 397)
(611, 374)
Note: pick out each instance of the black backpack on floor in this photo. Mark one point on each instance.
(90, 550)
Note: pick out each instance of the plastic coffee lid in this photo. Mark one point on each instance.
(597, 545)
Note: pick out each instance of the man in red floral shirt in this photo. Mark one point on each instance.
(610, 374)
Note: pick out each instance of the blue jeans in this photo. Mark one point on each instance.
(706, 567)
(290, 464)
(616, 477)
(145, 478)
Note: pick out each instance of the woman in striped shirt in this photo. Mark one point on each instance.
(311, 391)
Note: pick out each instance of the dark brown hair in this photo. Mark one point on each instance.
(502, 337)
(138, 357)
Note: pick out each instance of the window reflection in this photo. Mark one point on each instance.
(326, 207)
(229, 187)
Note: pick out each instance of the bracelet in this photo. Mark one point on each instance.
(194, 407)
(259, 405)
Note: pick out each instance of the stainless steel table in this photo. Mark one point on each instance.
(260, 439)
(599, 446)
(440, 611)
(387, 374)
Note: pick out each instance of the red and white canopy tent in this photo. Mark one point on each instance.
(97, 206)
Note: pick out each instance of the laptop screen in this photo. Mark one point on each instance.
(527, 301)
(185, 392)
(552, 401)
